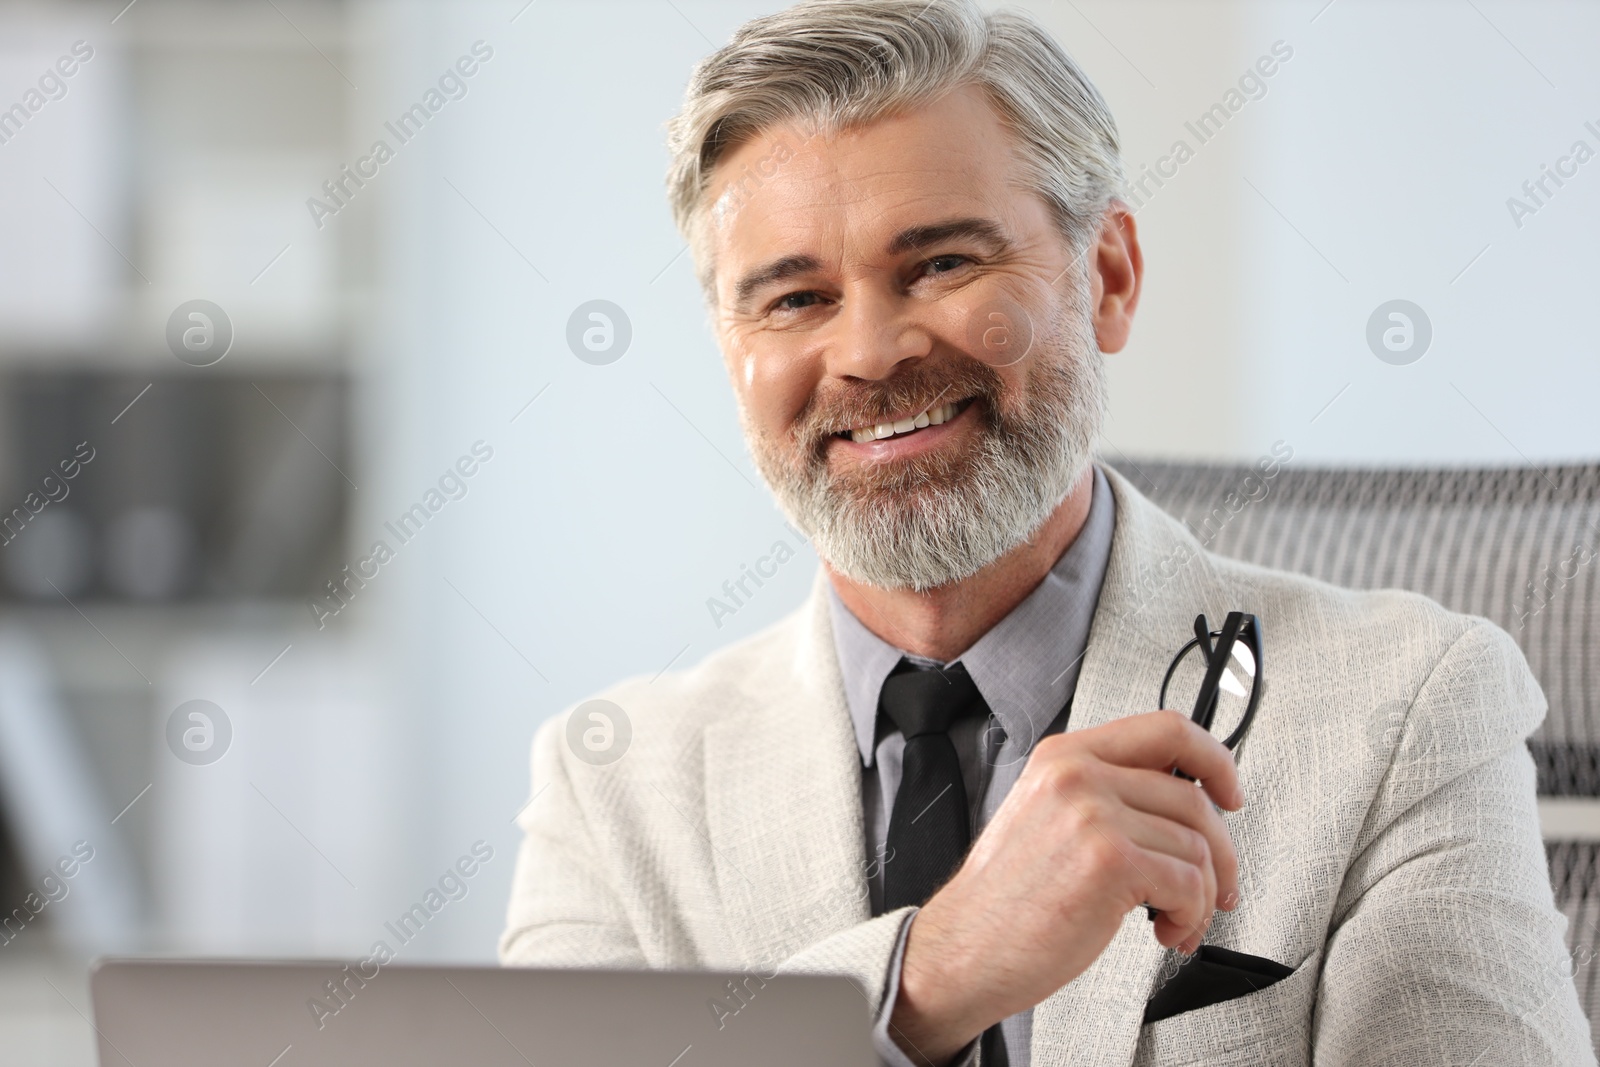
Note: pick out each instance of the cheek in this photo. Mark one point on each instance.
(1019, 386)
(1005, 336)
(774, 380)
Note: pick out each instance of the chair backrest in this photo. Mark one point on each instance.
(1520, 546)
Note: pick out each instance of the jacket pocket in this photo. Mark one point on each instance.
(1211, 976)
(1271, 1025)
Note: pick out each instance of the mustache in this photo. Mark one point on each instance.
(921, 385)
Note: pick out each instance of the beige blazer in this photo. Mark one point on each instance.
(1389, 845)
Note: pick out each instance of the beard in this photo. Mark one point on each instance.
(941, 516)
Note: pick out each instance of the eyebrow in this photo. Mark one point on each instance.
(971, 228)
(777, 271)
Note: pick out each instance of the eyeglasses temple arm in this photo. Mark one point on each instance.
(1251, 635)
(1216, 662)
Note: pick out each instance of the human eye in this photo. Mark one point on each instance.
(945, 264)
(798, 301)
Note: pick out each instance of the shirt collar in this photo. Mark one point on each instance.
(1026, 666)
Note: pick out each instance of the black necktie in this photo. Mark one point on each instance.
(929, 828)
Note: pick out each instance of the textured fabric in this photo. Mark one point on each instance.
(1026, 666)
(1575, 876)
(1399, 871)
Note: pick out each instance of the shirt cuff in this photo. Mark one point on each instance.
(882, 1042)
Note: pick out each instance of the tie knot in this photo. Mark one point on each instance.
(922, 700)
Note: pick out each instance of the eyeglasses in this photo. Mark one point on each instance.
(1224, 680)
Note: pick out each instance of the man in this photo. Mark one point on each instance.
(946, 774)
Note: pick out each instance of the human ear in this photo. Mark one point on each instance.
(1117, 275)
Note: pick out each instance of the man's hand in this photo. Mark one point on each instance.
(1095, 826)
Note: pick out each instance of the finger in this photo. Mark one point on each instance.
(1171, 934)
(1177, 889)
(1161, 795)
(1162, 740)
(1155, 834)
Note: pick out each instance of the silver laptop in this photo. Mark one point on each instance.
(204, 1013)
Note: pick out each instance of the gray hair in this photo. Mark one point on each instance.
(838, 64)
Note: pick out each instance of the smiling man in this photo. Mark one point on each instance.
(946, 774)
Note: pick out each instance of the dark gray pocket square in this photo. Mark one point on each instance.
(1212, 976)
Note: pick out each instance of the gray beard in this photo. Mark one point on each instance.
(921, 529)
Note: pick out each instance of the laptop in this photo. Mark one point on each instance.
(202, 1013)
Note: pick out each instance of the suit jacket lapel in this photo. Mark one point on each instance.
(783, 799)
(1157, 580)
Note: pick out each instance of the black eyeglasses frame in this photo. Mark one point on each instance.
(1236, 627)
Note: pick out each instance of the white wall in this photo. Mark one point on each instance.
(1398, 138)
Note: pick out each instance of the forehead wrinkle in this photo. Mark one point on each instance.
(915, 210)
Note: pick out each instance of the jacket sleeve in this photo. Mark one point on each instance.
(1446, 946)
(567, 911)
(563, 910)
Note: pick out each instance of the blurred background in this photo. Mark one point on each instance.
(240, 348)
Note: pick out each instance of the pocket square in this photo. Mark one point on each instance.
(1212, 976)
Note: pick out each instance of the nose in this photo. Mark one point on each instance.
(876, 332)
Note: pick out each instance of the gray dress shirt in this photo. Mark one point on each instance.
(1026, 668)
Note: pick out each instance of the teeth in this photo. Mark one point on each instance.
(932, 417)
